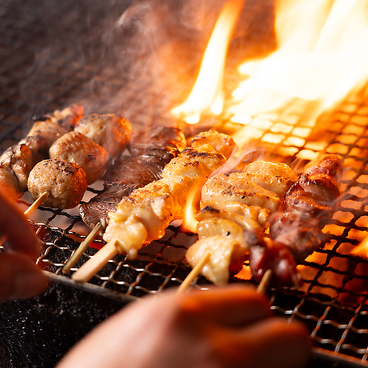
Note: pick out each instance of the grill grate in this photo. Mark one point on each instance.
(43, 69)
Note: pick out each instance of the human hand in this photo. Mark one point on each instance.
(20, 277)
(227, 326)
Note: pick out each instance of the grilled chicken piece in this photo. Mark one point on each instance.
(9, 184)
(296, 231)
(64, 181)
(18, 161)
(144, 215)
(235, 208)
(82, 151)
(110, 131)
(130, 173)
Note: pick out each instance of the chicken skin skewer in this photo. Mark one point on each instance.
(144, 215)
(235, 208)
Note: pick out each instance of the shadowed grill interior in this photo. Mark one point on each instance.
(44, 69)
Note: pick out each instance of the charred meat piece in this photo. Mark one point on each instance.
(18, 161)
(158, 141)
(110, 131)
(126, 175)
(130, 173)
(297, 229)
(64, 181)
(82, 151)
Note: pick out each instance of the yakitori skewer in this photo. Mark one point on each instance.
(144, 215)
(150, 153)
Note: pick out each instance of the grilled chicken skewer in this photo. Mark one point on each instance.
(144, 215)
(235, 208)
(150, 151)
(153, 151)
(296, 231)
(17, 161)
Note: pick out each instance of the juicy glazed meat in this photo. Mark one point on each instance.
(64, 181)
(110, 131)
(158, 141)
(296, 231)
(235, 208)
(132, 172)
(82, 151)
(144, 215)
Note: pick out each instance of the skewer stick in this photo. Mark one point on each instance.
(265, 282)
(100, 259)
(36, 204)
(82, 248)
(194, 273)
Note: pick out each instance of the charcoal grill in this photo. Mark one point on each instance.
(57, 53)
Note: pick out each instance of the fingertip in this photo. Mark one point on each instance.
(20, 278)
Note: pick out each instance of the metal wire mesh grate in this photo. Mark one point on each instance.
(38, 76)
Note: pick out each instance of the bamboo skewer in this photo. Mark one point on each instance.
(194, 273)
(36, 204)
(265, 282)
(82, 248)
(100, 259)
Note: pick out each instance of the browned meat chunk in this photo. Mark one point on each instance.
(82, 151)
(64, 181)
(110, 131)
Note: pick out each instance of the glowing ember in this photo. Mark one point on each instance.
(206, 95)
(362, 249)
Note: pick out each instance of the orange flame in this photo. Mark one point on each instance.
(207, 95)
(321, 56)
(189, 221)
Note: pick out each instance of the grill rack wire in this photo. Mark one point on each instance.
(333, 299)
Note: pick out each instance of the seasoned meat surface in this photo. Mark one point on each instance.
(82, 151)
(110, 131)
(236, 207)
(144, 215)
(18, 161)
(64, 181)
(158, 141)
(129, 173)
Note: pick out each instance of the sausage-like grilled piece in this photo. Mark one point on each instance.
(110, 131)
(82, 151)
(64, 181)
(132, 172)
(296, 231)
(144, 215)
